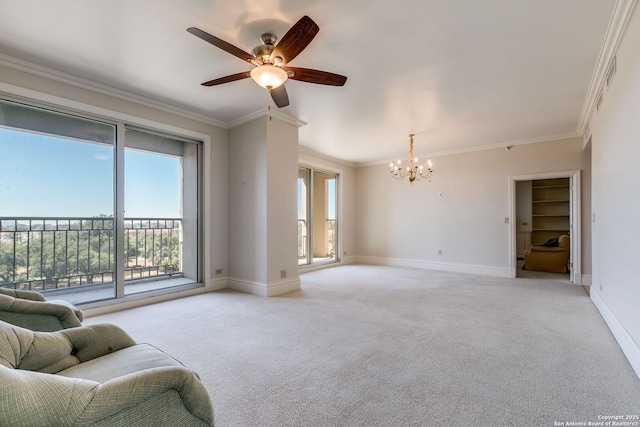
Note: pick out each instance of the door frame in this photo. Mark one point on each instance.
(575, 228)
(316, 167)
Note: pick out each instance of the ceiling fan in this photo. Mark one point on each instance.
(270, 60)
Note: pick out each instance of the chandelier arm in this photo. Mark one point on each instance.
(398, 173)
(414, 171)
(425, 175)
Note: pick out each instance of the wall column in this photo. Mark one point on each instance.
(263, 171)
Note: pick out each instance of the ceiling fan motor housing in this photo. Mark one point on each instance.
(263, 51)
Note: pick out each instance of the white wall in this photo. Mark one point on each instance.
(248, 202)
(406, 224)
(282, 204)
(615, 144)
(263, 170)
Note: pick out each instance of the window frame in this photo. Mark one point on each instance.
(55, 104)
(338, 213)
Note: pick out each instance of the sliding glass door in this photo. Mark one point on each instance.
(57, 226)
(304, 215)
(88, 216)
(317, 216)
(161, 222)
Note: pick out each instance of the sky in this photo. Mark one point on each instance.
(45, 176)
(331, 198)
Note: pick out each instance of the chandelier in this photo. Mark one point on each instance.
(414, 170)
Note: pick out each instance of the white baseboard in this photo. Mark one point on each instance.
(217, 284)
(282, 287)
(249, 287)
(348, 260)
(629, 347)
(587, 279)
(264, 289)
(440, 266)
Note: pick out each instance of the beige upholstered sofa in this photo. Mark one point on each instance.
(551, 259)
(31, 310)
(94, 376)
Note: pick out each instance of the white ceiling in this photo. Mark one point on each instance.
(460, 74)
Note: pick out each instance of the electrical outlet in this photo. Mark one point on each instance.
(600, 286)
(283, 274)
(439, 251)
(218, 271)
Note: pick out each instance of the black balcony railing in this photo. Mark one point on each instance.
(302, 239)
(303, 234)
(51, 253)
(331, 237)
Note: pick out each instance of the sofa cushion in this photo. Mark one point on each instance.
(45, 399)
(132, 393)
(158, 411)
(125, 361)
(24, 349)
(564, 241)
(39, 315)
(537, 248)
(94, 375)
(23, 294)
(51, 352)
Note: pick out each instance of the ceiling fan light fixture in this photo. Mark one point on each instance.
(269, 60)
(269, 76)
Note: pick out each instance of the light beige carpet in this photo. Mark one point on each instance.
(383, 346)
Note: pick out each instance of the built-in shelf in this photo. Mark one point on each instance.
(550, 209)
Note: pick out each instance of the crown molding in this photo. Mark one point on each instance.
(622, 12)
(501, 145)
(314, 153)
(51, 74)
(266, 112)
(58, 76)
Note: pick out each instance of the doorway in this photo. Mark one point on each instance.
(545, 206)
(317, 216)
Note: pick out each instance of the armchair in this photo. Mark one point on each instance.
(94, 375)
(31, 310)
(551, 259)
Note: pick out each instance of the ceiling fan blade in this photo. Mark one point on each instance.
(227, 79)
(227, 47)
(296, 39)
(316, 76)
(279, 96)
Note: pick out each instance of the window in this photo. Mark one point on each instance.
(161, 223)
(317, 217)
(87, 217)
